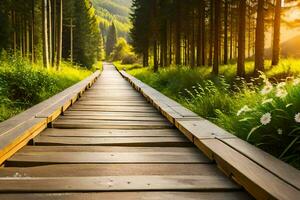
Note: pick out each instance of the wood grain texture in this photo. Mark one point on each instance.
(116, 183)
(130, 196)
(117, 141)
(255, 179)
(53, 132)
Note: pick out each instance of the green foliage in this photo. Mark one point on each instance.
(23, 85)
(122, 51)
(116, 11)
(111, 39)
(239, 105)
(88, 43)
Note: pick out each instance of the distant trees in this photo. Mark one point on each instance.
(38, 30)
(111, 40)
(204, 32)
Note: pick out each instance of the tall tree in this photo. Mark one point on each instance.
(216, 36)
(178, 32)
(59, 34)
(45, 34)
(260, 37)
(226, 32)
(111, 40)
(241, 39)
(276, 36)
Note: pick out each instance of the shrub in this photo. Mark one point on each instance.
(129, 59)
(23, 84)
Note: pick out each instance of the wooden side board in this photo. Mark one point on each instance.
(17, 131)
(262, 175)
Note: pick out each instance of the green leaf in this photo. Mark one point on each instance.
(252, 131)
(288, 147)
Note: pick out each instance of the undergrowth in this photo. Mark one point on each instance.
(23, 85)
(263, 111)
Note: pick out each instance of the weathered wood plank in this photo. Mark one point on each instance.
(121, 141)
(111, 103)
(278, 168)
(112, 118)
(53, 149)
(129, 196)
(82, 170)
(120, 114)
(201, 129)
(255, 179)
(42, 158)
(53, 132)
(13, 140)
(114, 109)
(107, 124)
(116, 183)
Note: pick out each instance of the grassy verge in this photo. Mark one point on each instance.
(263, 111)
(23, 85)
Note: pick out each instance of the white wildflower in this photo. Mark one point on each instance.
(297, 117)
(281, 85)
(279, 131)
(267, 101)
(281, 93)
(267, 89)
(266, 119)
(296, 81)
(243, 110)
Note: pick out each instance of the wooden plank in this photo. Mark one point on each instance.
(42, 158)
(13, 140)
(106, 124)
(112, 103)
(116, 183)
(82, 170)
(53, 132)
(256, 180)
(120, 114)
(129, 196)
(113, 98)
(112, 118)
(282, 170)
(121, 141)
(201, 129)
(53, 149)
(113, 109)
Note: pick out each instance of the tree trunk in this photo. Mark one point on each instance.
(226, 33)
(54, 42)
(50, 31)
(45, 34)
(192, 56)
(178, 34)
(155, 61)
(276, 37)
(59, 35)
(260, 37)
(231, 35)
(241, 39)
(216, 36)
(32, 32)
(211, 34)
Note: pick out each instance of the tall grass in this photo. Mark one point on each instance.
(22, 84)
(263, 111)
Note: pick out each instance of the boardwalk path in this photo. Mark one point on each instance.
(112, 140)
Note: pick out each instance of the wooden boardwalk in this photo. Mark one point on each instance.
(113, 144)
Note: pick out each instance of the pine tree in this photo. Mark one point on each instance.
(111, 40)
